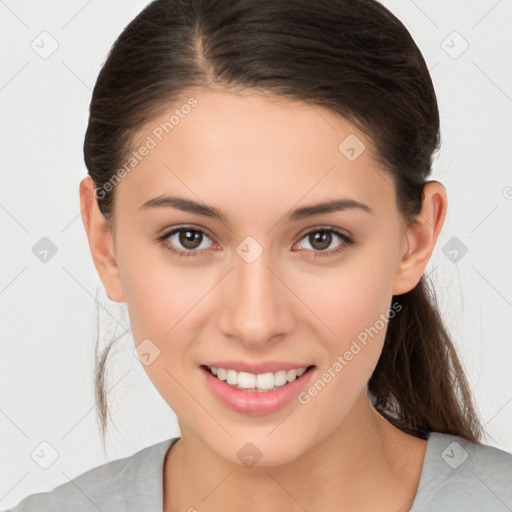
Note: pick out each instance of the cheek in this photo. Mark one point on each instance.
(165, 303)
(160, 305)
(357, 307)
(354, 306)
(351, 296)
(159, 294)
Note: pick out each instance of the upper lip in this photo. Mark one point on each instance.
(257, 368)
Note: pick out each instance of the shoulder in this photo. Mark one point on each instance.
(131, 483)
(459, 475)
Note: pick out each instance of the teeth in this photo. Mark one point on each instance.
(260, 382)
(231, 377)
(291, 375)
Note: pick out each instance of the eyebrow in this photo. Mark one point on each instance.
(190, 206)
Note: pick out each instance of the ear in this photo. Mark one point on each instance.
(101, 241)
(420, 237)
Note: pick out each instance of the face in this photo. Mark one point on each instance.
(258, 284)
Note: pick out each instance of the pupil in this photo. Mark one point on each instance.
(189, 237)
(324, 239)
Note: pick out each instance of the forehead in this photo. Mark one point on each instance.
(236, 149)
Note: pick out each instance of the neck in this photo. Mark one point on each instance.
(365, 464)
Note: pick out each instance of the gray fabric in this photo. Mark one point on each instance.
(124, 485)
(462, 476)
(457, 476)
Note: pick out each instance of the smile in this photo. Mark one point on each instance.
(256, 382)
(256, 393)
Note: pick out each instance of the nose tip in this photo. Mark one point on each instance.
(257, 309)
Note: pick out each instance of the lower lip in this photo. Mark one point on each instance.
(254, 402)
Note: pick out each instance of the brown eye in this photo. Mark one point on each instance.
(189, 238)
(321, 239)
(185, 241)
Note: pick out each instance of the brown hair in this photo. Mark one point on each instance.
(353, 57)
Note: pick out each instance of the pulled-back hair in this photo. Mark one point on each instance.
(353, 57)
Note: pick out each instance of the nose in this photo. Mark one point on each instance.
(259, 307)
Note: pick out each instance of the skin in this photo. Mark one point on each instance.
(255, 158)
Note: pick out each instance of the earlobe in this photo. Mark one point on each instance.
(421, 236)
(101, 242)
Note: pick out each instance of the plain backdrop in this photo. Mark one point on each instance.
(48, 310)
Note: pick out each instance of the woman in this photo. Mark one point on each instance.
(258, 196)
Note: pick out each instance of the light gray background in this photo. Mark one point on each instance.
(48, 310)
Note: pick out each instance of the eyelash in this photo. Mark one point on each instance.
(163, 240)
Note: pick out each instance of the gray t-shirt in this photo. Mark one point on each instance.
(457, 475)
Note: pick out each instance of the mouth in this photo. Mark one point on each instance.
(267, 382)
(257, 394)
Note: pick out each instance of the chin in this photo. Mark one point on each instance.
(261, 452)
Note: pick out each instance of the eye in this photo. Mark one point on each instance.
(191, 239)
(321, 238)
